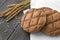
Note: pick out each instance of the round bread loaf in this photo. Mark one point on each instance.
(52, 26)
(33, 20)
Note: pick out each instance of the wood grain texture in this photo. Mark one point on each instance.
(7, 29)
(19, 34)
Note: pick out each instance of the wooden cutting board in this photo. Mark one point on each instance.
(12, 30)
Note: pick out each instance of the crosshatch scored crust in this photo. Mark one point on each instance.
(33, 20)
(53, 22)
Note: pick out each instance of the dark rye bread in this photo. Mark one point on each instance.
(33, 20)
(52, 26)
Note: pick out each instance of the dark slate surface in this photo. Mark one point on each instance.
(11, 30)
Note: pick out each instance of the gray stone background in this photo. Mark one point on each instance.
(11, 30)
